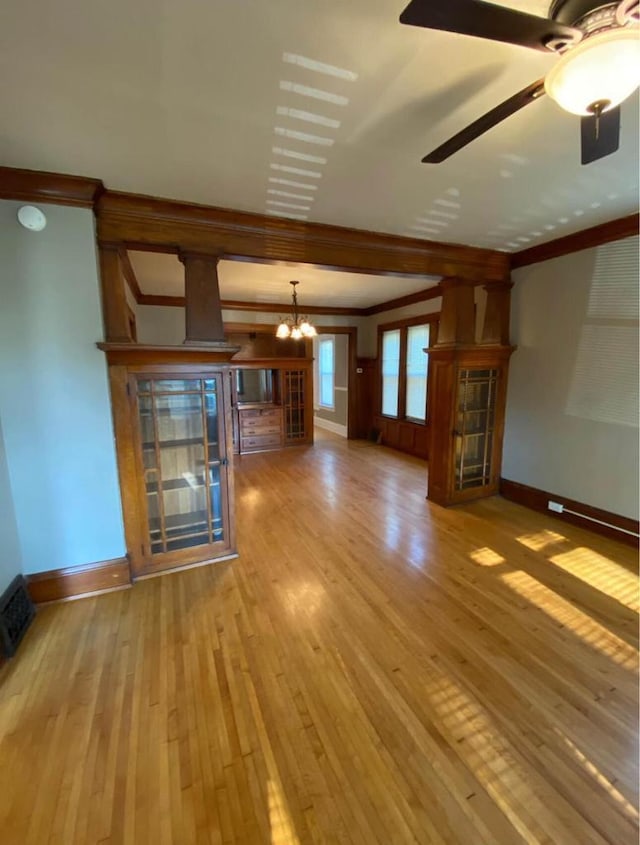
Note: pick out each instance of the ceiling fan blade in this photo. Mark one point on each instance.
(486, 20)
(486, 122)
(600, 136)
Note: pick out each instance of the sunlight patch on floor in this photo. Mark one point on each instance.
(576, 621)
(593, 770)
(540, 540)
(486, 557)
(282, 829)
(601, 573)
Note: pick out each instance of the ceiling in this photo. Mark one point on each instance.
(162, 274)
(200, 100)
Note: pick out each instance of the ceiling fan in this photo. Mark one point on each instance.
(599, 65)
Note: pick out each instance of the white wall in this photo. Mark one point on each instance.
(10, 555)
(54, 398)
(572, 406)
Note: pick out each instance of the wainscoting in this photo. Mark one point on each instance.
(405, 436)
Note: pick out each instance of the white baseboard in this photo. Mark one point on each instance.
(336, 428)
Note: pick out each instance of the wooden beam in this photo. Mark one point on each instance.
(180, 226)
(614, 230)
(56, 188)
(285, 308)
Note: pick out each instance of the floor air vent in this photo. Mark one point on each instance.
(16, 612)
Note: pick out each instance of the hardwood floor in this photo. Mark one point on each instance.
(372, 669)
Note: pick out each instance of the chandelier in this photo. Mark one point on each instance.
(295, 326)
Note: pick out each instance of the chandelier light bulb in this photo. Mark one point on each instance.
(295, 327)
(603, 69)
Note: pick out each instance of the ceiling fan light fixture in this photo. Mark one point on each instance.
(604, 68)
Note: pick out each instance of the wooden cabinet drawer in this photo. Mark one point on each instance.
(260, 413)
(249, 427)
(260, 441)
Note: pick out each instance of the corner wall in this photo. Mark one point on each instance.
(10, 554)
(572, 401)
(54, 397)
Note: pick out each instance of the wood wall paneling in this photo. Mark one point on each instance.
(365, 393)
(75, 581)
(538, 500)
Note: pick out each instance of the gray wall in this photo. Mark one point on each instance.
(54, 398)
(339, 415)
(572, 407)
(10, 556)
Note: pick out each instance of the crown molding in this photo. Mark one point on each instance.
(410, 299)
(56, 188)
(614, 230)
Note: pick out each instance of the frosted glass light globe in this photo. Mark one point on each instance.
(602, 68)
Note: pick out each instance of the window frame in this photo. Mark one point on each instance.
(329, 339)
(404, 325)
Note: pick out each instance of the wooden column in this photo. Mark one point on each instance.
(203, 312)
(115, 310)
(457, 316)
(495, 329)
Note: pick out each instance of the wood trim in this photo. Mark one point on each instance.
(135, 219)
(237, 305)
(532, 497)
(410, 299)
(139, 353)
(274, 308)
(76, 581)
(130, 276)
(614, 230)
(165, 301)
(406, 322)
(56, 188)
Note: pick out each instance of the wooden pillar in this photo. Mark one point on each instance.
(497, 314)
(457, 316)
(203, 312)
(115, 310)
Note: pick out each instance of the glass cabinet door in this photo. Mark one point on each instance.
(474, 431)
(184, 463)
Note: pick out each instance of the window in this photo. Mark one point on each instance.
(390, 372)
(417, 364)
(326, 371)
(404, 370)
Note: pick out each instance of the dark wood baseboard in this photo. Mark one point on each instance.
(537, 500)
(75, 581)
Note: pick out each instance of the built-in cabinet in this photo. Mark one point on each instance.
(469, 392)
(272, 404)
(173, 437)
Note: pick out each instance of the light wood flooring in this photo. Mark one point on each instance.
(371, 669)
